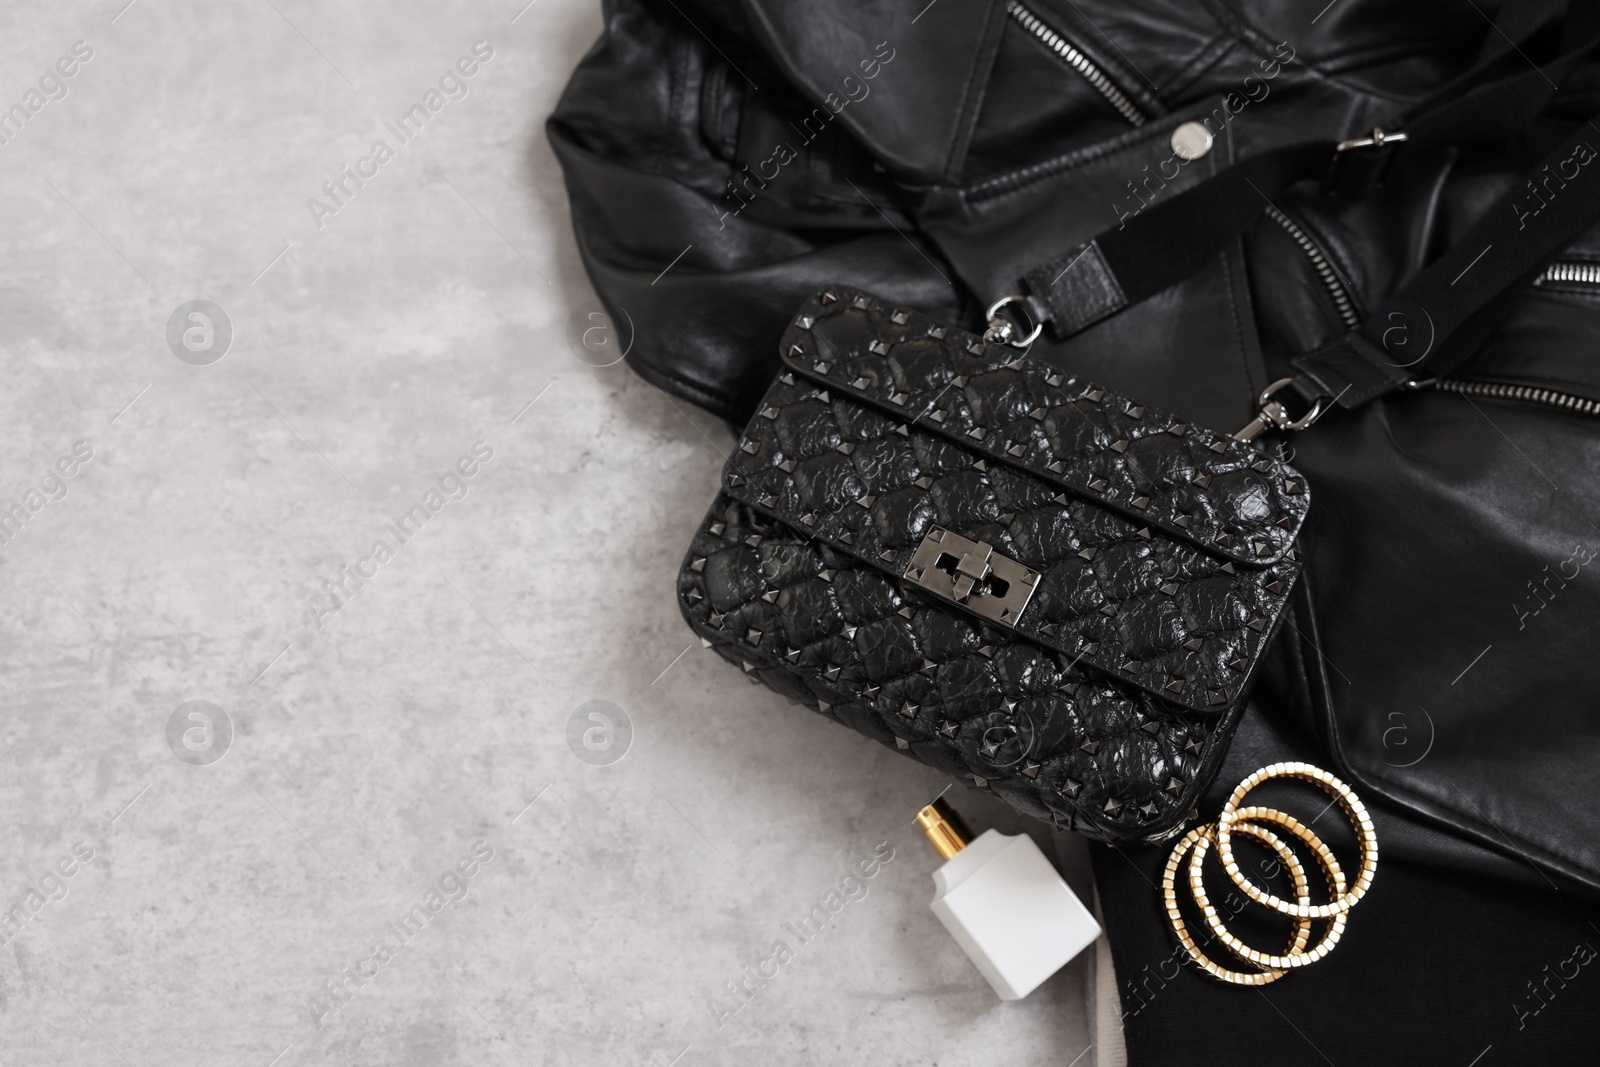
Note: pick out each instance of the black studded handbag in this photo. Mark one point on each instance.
(1031, 582)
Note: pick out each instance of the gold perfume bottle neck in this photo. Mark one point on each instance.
(945, 828)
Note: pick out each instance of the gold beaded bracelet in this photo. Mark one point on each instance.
(1236, 819)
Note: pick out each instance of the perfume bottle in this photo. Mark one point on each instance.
(1004, 903)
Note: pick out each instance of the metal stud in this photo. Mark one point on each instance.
(1194, 644)
(1178, 429)
(902, 744)
(899, 318)
(1030, 769)
(1098, 484)
(1135, 411)
(770, 596)
(1113, 805)
(846, 447)
(978, 433)
(1219, 447)
(848, 632)
(1070, 788)
(860, 383)
(908, 710)
(1202, 479)
(1259, 625)
(878, 348)
(899, 398)
(1037, 414)
(753, 636)
(1170, 589)
(1090, 747)
(949, 729)
(1146, 534)
(1119, 446)
(698, 565)
(1140, 502)
(866, 500)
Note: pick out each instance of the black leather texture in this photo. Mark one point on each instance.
(1445, 663)
(1053, 739)
(1162, 553)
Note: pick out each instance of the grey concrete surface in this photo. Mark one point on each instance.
(406, 744)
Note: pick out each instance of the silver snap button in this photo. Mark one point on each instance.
(1191, 140)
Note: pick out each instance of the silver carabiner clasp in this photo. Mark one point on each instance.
(1003, 331)
(1272, 415)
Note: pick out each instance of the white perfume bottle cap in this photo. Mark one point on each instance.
(1004, 904)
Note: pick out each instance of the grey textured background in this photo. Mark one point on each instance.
(430, 712)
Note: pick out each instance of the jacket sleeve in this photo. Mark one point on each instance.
(709, 199)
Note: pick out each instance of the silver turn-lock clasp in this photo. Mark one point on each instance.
(1272, 415)
(972, 574)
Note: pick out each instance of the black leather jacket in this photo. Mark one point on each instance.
(727, 158)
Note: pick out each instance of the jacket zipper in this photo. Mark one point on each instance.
(1526, 393)
(1077, 61)
(1319, 262)
(1571, 272)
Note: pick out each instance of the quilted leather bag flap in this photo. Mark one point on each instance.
(1129, 559)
